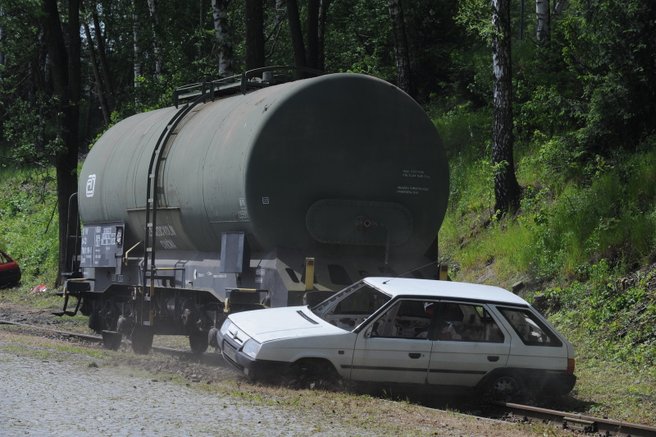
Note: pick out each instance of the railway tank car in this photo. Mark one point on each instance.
(252, 192)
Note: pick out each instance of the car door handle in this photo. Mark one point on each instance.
(414, 355)
(493, 358)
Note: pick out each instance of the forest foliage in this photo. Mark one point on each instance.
(583, 99)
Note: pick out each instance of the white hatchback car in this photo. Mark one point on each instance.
(410, 331)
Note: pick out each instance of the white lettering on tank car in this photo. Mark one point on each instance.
(91, 185)
(411, 190)
(265, 200)
(415, 174)
(107, 237)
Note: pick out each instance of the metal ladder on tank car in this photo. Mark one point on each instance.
(145, 313)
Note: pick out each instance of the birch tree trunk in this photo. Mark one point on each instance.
(254, 34)
(154, 26)
(110, 95)
(506, 188)
(279, 17)
(559, 7)
(222, 35)
(543, 21)
(100, 93)
(136, 53)
(401, 50)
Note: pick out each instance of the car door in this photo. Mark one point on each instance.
(388, 349)
(467, 342)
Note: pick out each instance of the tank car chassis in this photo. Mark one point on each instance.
(156, 305)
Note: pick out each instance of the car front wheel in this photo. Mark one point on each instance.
(313, 373)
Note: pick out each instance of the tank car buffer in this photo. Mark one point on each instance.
(252, 191)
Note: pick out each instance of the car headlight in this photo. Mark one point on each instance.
(224, 328)
(251, 348)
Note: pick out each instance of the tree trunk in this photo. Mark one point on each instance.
(254, 34)
(100, 93)
(222, 35)
(65, 71)
(401, 50)
(2, 55)
(506, 188)
(110, 96)
(296, 34)
(321, 34)
(279, 17)
(312, 26)
(136, 53)
(543, 21)
(154, 26)
(559, 7)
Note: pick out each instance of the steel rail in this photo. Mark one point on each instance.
(88, 337)
(581, 422)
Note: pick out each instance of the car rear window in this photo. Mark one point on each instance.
(530, 329)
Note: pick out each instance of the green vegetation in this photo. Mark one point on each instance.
(28, 222)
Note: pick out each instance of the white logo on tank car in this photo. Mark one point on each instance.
(91, 185)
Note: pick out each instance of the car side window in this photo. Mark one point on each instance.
(529, 328)
(405, 319)
(464, 322)
(435, 320)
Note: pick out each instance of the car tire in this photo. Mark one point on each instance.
(313, 374)
(505, 387)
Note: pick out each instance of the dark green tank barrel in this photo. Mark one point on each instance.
(338, 160)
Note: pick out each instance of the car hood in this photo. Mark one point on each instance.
(279, 323)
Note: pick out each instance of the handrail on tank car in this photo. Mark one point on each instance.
(241, 82)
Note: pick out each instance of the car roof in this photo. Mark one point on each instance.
(434, 288)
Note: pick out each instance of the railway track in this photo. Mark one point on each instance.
(87, 337)
(578, 423)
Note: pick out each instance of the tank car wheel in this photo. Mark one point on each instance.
(142, 340)
(198, 342)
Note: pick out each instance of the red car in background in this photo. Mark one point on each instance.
(10, 272)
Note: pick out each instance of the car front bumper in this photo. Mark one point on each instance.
(252, 368)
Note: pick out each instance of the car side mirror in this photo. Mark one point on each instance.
(367, 332)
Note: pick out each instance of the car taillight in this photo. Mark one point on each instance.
(571, 365)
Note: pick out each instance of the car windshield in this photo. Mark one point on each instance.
(351, 306)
